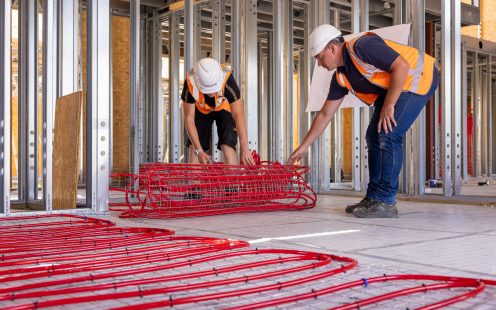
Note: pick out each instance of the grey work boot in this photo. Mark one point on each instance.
(363, 203)
(377, 209)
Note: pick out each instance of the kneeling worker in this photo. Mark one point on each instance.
(210, 93)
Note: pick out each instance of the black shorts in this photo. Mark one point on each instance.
(226, 128)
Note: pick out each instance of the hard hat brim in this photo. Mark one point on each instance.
(212, 89)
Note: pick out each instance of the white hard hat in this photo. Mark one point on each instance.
(320, 36)
(208, 76)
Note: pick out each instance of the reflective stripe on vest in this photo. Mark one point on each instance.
(221, 103)
(419, 77)
(366, 98)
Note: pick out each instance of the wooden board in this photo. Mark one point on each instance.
(121, 57)
(84, 65)
(14, 136)
(347, 129)
(121, 77)
(67, 135)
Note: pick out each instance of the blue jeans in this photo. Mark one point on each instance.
(385, 150)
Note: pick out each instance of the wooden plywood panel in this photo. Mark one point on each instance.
(14, 127)
(121, 64)
(488, 20)
(347, 142)
(67, 137)
(121, 57)
(84, 64)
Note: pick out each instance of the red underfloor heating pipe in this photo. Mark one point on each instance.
(163, 190)
(74, 261)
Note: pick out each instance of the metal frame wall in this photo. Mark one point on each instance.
(28, 102)
(245, 51)
(68, 30)
(364, 111)
(320, 150)
(176, 129)
(219, 54)
(357, 136)
(413, 173)
(135, 85)
(50, 78)
(336, 125)
(456, 81)
(5, 93)
(154, 108)
(305, 62)
(98, 113)
(282, 76)
(451, 96)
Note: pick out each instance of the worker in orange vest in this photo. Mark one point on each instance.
(397, 80)
(210, 93)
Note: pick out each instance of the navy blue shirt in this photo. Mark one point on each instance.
(371, 49)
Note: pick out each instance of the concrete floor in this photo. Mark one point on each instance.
(450, 239)
(431, 238)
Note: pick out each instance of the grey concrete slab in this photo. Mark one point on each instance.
(471, 253)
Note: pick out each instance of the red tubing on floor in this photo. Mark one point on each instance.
(58, 260)
(163, 190)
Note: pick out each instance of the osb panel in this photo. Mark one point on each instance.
(347, 141)
(488, 19)
(84, 41)
(121, 57)
(66, 150)
(14, 136)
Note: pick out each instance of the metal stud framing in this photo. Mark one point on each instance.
(28, 102)
(68, 46)
(477, 114)
(98, 105)
(336, 124)
(414, 148)
(5, 93)
(465, 174)
(248, 69)
(282, 72)
(135, 85)
(446, 96)
(49, 95)
(356, 151)
(218, 53)
(456, 81)
(155, 105)
(176, 129)
(364, 111)
(320, 151)
(304, 79)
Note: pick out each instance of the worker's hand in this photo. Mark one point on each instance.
(386, 119)
(204, 158)
(246, 157)
(297, 155)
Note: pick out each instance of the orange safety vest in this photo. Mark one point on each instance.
(221, 102)
(419, 77)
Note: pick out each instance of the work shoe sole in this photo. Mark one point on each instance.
(377, 211)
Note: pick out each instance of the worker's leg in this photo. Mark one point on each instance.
(374, 153)
(230, 156)
(203, 124)
(228, 136)
(387, 149)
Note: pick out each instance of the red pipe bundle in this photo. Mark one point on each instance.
(163, 190)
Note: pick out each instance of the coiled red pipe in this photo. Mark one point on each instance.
(162, 190)
(93, 262)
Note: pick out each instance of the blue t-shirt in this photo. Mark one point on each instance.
(371, 49)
